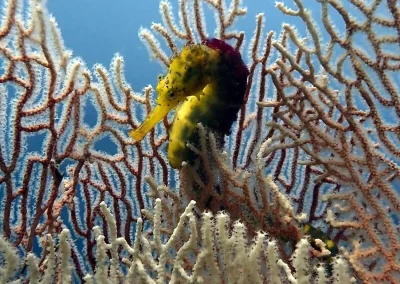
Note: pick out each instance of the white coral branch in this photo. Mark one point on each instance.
(224, 255)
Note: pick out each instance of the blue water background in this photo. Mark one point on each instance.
(96, 29)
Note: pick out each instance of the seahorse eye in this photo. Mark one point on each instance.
(171, 95)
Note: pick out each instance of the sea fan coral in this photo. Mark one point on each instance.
(223, 256)
(312, 145)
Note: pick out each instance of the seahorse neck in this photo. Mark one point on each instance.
(230, 73)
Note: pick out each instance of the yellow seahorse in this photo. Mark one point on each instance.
(208, 82)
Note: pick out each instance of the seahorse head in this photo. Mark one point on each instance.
(189, 72)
